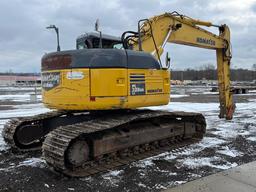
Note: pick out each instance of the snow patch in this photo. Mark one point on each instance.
(229, 152)
(208, 142)
(19, 88)
(3, 145)
(179, 182)
(206, 161)
(159, 186)
(169, 156)
(33, 162)
(187, 107)
(178, 96)
(24, 110)
(172, 174)
(142, 185)
(144, 163)
(113, 177)
(206, 93)
(202, 107)
(19, 98)
(8, 169)
(251, 138)
(115, 173)
(229, 130)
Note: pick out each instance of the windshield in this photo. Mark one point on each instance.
(81, 45)
(87, 43)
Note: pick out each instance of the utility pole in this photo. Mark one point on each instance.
(57, 32)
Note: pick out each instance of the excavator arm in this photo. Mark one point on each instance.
(155, 32)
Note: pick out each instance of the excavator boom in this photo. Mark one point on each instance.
(155, 32)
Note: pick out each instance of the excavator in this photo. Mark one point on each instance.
(99, 94)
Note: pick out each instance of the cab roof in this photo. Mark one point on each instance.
(97, 35)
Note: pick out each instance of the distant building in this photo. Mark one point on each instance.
(17, 80)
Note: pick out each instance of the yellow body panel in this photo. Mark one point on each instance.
(104, 89)
(108, 82)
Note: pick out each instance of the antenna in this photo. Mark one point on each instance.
(97, 23)
(97, 26)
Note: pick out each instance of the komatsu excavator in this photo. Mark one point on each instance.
(97, 89)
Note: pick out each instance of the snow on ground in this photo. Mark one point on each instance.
(203, 107)
(8, 88)
(24, 110)
(33, 162)
(216, 151)
(3, 145)
(19, 97)
(112, 177)
(221, 133)
(230, 152)
(206, 161)
(19, 111)
(28, 109)
(247, 94)
(178, 96)
(30, 162)
(206, 93)
(188, 107)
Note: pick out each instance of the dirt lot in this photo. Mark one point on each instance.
(227, 144)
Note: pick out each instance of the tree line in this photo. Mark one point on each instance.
(19, 74)
(210, 73)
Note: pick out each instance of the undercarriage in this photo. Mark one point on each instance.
(81, 144)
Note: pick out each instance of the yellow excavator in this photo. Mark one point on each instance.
(98, 90)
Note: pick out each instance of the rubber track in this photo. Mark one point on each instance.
(58, 140)
(11, 126)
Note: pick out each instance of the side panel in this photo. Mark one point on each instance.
(70, 89)
(148, 82)
(108, 82)
(148, 87)
(104, 89)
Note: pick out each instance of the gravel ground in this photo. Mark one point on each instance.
(227, 144)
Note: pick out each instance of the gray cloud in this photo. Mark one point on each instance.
(24, 39)
(254, 7)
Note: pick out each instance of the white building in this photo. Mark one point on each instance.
(17, 80)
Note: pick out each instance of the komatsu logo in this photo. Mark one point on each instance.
(154, 90)
(205, 41)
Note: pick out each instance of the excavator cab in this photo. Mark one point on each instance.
(92, 40)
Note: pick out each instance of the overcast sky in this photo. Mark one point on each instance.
(24, 39)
